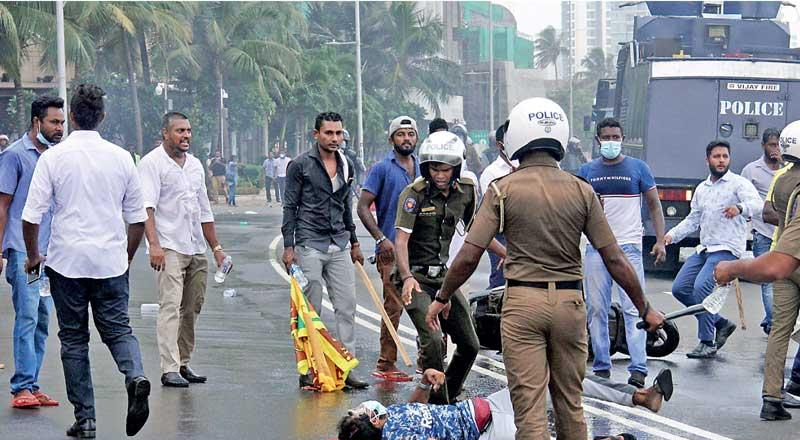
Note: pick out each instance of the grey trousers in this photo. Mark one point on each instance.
(503, 428)
(335, 268)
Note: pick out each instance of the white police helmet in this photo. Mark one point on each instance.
(443, 147)
(790, 142)
(536, 124)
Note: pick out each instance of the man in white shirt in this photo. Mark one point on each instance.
(179, 222)
(93, 189)
(280, 173)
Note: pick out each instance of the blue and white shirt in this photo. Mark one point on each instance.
(421, 421)
(620, 187)
(718, 233)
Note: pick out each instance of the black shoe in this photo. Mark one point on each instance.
(605, 374)
(190, 376)
(789, 401)
(723, 332)
(637, 379)
(85, 428)
(793, 388)
(306, 381)
(174, 380)
(355, 383)
(663, 383)
(138, 408)
(773, 409)
(702, 351)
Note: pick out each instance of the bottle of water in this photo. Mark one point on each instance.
(298, 275)
(223, 270)
(44, 285)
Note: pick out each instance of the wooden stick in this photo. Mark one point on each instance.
(739, 303)
(379, 305)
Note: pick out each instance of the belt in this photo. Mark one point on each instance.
(431, 271)
(560, 285)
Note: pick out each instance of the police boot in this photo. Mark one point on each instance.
(773, 409)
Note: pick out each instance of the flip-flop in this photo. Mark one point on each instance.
(663, 383)
(26, 401)
(44, 399)
(392, 376)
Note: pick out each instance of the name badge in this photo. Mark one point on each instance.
(428, 209)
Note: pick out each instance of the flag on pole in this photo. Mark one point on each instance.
(315, 349)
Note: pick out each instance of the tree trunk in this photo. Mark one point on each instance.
(282, 144)
(137, 114)
(220, 127)
(144, 55)
(266, 136)
(19, 92)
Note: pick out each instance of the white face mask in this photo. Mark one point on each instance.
(610, 149)
(282, 155)
(40, 137)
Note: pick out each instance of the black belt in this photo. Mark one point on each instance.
(430, 271)
(560, 285)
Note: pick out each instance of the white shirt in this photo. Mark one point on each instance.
(94, 189)
(760, 175)
(718, 233)
(497, 169)
(179, 198)
(280, 166)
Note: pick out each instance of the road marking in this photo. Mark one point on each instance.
(489, 373)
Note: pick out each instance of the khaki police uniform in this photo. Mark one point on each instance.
(542, 212)
(786, 293)
(431, 219)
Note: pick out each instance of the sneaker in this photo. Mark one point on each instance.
(772, 409)
(605, 374)
(637, 379)
(702, 351)
(793, 388)
(790, 401)
(724, 330)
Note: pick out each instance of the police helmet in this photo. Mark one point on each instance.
(536, 124)
(442, 147)
(346, 136)
(790, 142)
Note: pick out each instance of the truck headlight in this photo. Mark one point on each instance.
(671, 211)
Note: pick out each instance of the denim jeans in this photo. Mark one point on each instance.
(231, 193)
(109, 300)
(31, 316)
(280, 186)
(598, 288)
(496, 276)
(694, 282)
(761, 245)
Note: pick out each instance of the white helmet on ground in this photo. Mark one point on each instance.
(790, 142)
(536, 124)
(443, 147)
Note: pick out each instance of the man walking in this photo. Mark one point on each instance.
(93, 189)
(269, 176)
(218, 169)
(384, 183)
(542, 211)
(232, 179)
(179, 223)
(281, 164)
(720, 208)
(760, 173)
(620, 182)
(32, 302)
(318, 229)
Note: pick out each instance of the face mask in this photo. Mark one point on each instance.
(610, 149)
(378, 410)
(40, 137)
(282, 155)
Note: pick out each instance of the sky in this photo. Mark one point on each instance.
(531, 20)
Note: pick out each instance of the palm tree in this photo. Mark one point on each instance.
(549, 48)
(597, 66)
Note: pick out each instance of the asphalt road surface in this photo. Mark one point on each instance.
(244, 346)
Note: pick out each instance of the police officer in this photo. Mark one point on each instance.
(427, 213)
(542, 211)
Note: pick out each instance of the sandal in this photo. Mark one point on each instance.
(392, 376)
(25, 401)
(44, 399)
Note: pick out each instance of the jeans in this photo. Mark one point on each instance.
(109, 300)
(694, 282)
(761, 245)
(31, 316)
(599, 288)
(268, 188)
(496, 277)
(280, 187)
(232, 193)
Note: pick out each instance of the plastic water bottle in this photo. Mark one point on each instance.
(223, 270)
(44, 285)
(298, 275)
(229, 293)
(149, 309)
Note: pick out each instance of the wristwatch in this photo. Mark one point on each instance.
(380, 240)
(439, 299)
(216, 248)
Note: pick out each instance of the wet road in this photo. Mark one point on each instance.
(244, 347)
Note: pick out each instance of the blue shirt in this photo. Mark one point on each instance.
(717, 232)
(421, 421)
(16, 169)
(620, 187)
(386, 180)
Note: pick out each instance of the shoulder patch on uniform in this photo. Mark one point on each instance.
(410, 204)
(466, 181)
(419, 185)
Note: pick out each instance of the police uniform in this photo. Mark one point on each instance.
(786, 293)
(431, 218)
(542, 211)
